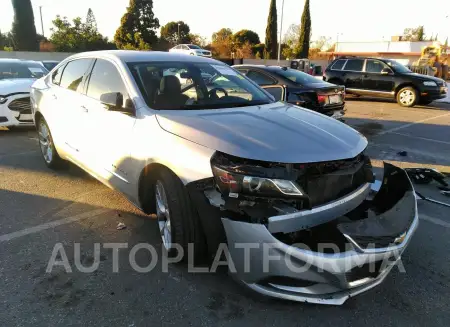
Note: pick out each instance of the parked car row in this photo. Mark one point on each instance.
(16, 78)
(221, 162)
(386, 79)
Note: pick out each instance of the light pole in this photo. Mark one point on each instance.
(281, 31)
(42, 22)
(179, 33)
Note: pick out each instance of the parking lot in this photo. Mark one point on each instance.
(40, 208)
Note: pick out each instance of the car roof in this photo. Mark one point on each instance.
(263, 67)
(15, 60)
(142, 56)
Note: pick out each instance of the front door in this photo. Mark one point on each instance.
(378, 77)
(111, 130)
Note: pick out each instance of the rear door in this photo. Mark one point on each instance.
(110, 132)
(374, 80)
(352, 74)
(67, 100)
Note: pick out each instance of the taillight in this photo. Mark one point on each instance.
(322, 98)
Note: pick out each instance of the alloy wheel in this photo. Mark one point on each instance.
(45, 142)
(163, 215)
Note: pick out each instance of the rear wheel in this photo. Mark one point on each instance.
(177, 219)
(48, 150)
(407, 97)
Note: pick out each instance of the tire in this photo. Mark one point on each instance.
(407, 97)
(48, 150)
(178, 222)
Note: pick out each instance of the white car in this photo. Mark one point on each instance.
(223, 164)
(16, 78)
(191, 49)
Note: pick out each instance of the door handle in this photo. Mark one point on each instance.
(85, 109)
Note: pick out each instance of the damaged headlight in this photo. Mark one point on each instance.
(233, 184)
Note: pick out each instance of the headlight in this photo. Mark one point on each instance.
(232, 184)
(3, 100)
(429, 83)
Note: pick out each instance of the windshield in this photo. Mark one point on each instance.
(21, 69)
(297, 76)
(192, 46)
(398, 67)
(187, 85)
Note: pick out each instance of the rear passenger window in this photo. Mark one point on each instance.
(73, 74)
(338, 65)
(56, 76)
(355, 65)
(260, 78)
(105, 79)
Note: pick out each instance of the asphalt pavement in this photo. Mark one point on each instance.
(40, 208)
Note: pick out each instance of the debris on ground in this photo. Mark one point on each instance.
(402, 153)
(121, 226)
(426, 175)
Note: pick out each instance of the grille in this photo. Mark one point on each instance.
(22, 105)
(328, 181)
(377, 242)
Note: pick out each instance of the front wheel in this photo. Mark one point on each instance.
(177, 219)
(48, 150)
(407, 97)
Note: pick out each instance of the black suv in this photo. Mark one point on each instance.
(385, 78)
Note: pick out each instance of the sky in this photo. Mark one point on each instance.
(353, 20)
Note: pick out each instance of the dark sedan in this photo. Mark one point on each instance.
(298, 88)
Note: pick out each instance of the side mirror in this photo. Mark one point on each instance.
(114, 101)
(386, 71)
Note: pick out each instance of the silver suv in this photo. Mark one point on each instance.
(221, 163)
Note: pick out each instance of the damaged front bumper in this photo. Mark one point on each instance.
(360, 239)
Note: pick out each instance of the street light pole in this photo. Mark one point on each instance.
(42, 22)
(179, 33)
(281, 31)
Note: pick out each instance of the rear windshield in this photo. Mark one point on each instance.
(23, 69)
(297, 76)
(191, 85)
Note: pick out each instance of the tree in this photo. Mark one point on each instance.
(322, 43)
(138, 26)
(223, 34)
(6, 41)
(91, 22)
(414, 34)
(198, 40)
(446, 42)
(246, 36)
(169, 32)
(222, 44)
(271, 31)
(305, 33)
(23, 30)
(77, 36)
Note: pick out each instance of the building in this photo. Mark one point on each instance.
(405, 52)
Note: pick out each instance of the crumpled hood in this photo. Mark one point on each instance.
(275, 132)
(14, 85)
